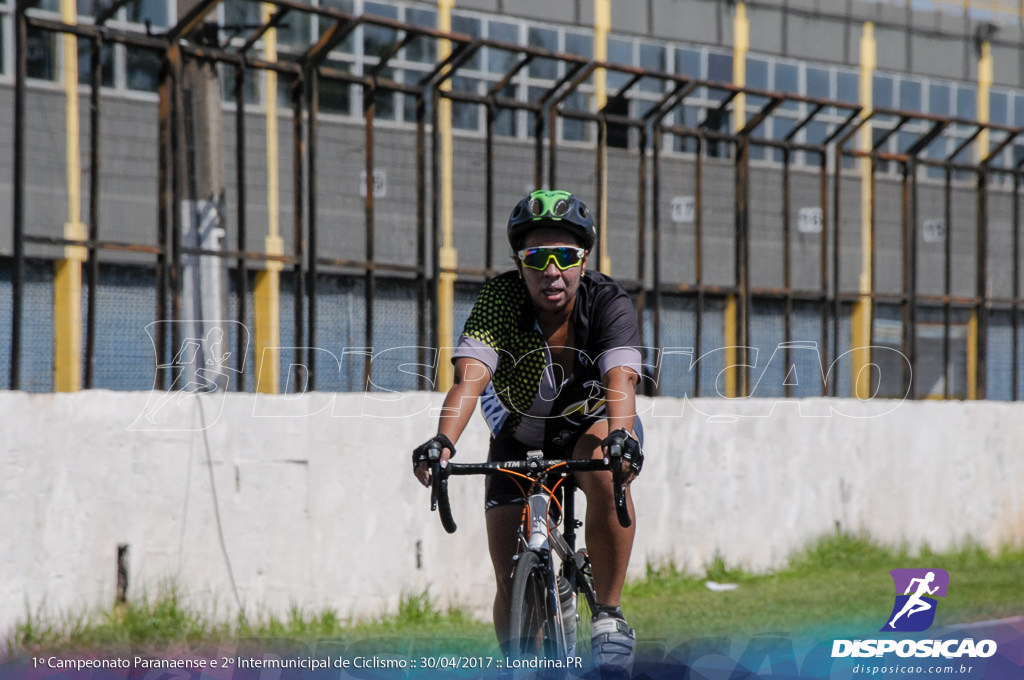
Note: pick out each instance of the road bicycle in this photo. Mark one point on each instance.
(553, 594)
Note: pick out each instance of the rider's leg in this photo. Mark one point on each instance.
(608, 542)
(920, 606)
(502, 534)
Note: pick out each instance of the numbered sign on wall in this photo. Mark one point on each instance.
(809, 221)
(684, 209)
(380, 183)
(934, 230)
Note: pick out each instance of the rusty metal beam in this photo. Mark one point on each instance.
(191, 20)
(257, 35)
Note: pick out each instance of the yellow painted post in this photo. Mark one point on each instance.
(731, 339)
(602, 26)
(741, 45)
(985, 77)
(67, 284)
(267, 289)
(860, 322)
(448, 257)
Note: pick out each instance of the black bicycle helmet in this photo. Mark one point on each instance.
(552, 209)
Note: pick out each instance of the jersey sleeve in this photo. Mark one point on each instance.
(490, 323)
(618, 333)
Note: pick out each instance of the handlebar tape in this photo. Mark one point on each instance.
(444, 505)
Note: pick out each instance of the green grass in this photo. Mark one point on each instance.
(839, 582)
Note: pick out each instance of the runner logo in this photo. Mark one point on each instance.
(914, 609)
(913, 612)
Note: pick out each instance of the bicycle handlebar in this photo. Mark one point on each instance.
(536, 468)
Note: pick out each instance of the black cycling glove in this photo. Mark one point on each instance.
(439, 441)
(630, 447)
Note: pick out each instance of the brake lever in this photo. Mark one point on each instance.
(621, 508)
(434, 456)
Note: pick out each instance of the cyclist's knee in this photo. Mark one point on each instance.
(596, 486)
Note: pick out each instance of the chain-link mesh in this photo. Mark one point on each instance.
(125, 304)
(1000, 379)
(36, 325)
(395, 342)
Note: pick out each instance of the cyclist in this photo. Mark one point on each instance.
(551, 351)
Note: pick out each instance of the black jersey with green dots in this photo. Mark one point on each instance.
(526, 398)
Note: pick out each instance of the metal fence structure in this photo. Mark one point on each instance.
(695, 134)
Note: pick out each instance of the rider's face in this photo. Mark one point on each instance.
(552, 290)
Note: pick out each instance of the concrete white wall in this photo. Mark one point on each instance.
(316, 505)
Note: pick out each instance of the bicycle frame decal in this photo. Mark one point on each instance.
(538, 522)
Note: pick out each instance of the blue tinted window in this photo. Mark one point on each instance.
(241, 12)
(816, 132)
(966, 99)
(882, 92)
(143, 69)
(579, 43)
(471, 27)
(652, 58)
(423, 50)
(464, 114)
(41, 54)
(153, 11)
(998, 103)
(818, 83)
(574, 129)
(619, 52)
(548, 40)
(505, 120)
(336, 96)
(847, 87)
(688, 63)
(757, 78)
(938, 99)
(85, 60)
(501, 61)
(384, 100)
(534, 94)
(348, 44)
(720, 67)
(787, 79)
(910, 95)
(757, 73)
(295, 31)
(377, 40)
(719, 70)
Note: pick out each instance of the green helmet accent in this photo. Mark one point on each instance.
(552, 209)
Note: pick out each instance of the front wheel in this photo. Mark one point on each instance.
(534, 626)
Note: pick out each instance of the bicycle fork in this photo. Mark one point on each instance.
(540, 540)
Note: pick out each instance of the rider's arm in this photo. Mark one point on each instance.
(471, 379)
(620, 390)
(620, 393)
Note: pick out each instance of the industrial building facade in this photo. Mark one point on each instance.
(806, 198)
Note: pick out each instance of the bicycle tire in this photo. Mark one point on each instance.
(534, 626)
